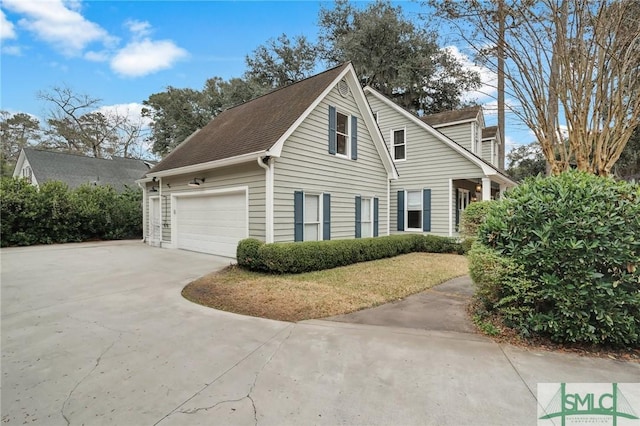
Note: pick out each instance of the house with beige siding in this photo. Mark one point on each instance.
(320, 159)
(439, 159)
(304, 162)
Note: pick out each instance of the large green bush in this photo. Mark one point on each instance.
(318, 255)
(574, 242)
(55, 214)
(474, 216)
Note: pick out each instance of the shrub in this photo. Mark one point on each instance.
(247, 254)
(318, 255)
(574, 241)
(55, 214)
(474, 216)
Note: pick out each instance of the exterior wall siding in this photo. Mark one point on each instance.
(250, 175)
(486, 150)
(429, 163)
(306, 165)
(460, 133)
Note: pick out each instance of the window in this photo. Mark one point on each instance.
(414, 210)
(27, 173)
(342, 134)
(366, 218)
(311, 217)
(399, 145)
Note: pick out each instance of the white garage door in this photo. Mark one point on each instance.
(211, 223)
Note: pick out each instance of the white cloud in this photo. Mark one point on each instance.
(6, 27)
(94, 56)
(488, 78)
(138, 28)
(59, 24)
(12, 50)
(132, 110)
(142, 57)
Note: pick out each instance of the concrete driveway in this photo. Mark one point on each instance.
(97, 333)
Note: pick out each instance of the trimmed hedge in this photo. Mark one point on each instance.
(562, 256)
(295, 258)
(55, 214)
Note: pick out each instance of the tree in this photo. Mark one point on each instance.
(570, 64)
(16, 132)
(78, 125)
(281, 62)
(628, 165)
(392, 55)
(526, 161)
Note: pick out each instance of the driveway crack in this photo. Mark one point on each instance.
(248, 395)
(97, 364)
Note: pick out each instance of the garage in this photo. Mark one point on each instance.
(211, 222)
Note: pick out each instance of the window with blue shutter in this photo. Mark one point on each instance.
(298, 216)
(326, 216)
(400, 217)
(354, 137)
(332, 129)
(358, 216)
(426, 210)
(376, 208)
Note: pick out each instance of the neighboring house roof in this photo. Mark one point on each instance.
(260, 126)
(75, 170)
(487, 168)
(451, 117)
(489, 132)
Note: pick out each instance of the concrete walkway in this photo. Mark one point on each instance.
(98, 334)
(441, 308)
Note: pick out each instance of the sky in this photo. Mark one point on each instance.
(124, 51)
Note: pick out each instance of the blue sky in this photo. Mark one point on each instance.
(124, 51)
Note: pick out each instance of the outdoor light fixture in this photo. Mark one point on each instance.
(196, 182)
(154, 189)
(478, 188)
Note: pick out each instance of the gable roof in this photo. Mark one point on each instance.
(487, 168)
(75, 170)
(489, 132)
(455, 116)
(252, 127)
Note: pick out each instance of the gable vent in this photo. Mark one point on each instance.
(343, 88)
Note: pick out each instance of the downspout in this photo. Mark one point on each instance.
(161, 210)
(388, 207)
(266, 163)
(144, 211)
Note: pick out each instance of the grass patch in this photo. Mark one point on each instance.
(324, 293)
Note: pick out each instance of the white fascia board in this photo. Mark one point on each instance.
(453, 123)
(244, 158)
(487, 169)
(143, 180)
(19, 163)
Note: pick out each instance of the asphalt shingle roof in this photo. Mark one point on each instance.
(469, 113)
(75, 170)
(489, 132)
(253, 126)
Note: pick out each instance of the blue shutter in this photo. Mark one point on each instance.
(354, 137)
(426, 210)
(298, 216)
(376, 203)
(400, 210)
(332, 130)
(326, 216)
(358, 216)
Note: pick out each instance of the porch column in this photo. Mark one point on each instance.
(486, 189)
(503, 188)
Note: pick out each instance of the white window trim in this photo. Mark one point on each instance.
(369, 216)
(320, 223)
(393, 145)
(347, 154)
(406, 210)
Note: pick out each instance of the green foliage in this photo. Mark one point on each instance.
(473, 216)
(526, 161)
(309, 256)
(394, 55)
(55, 214)
(562, 256)
(247, 254)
